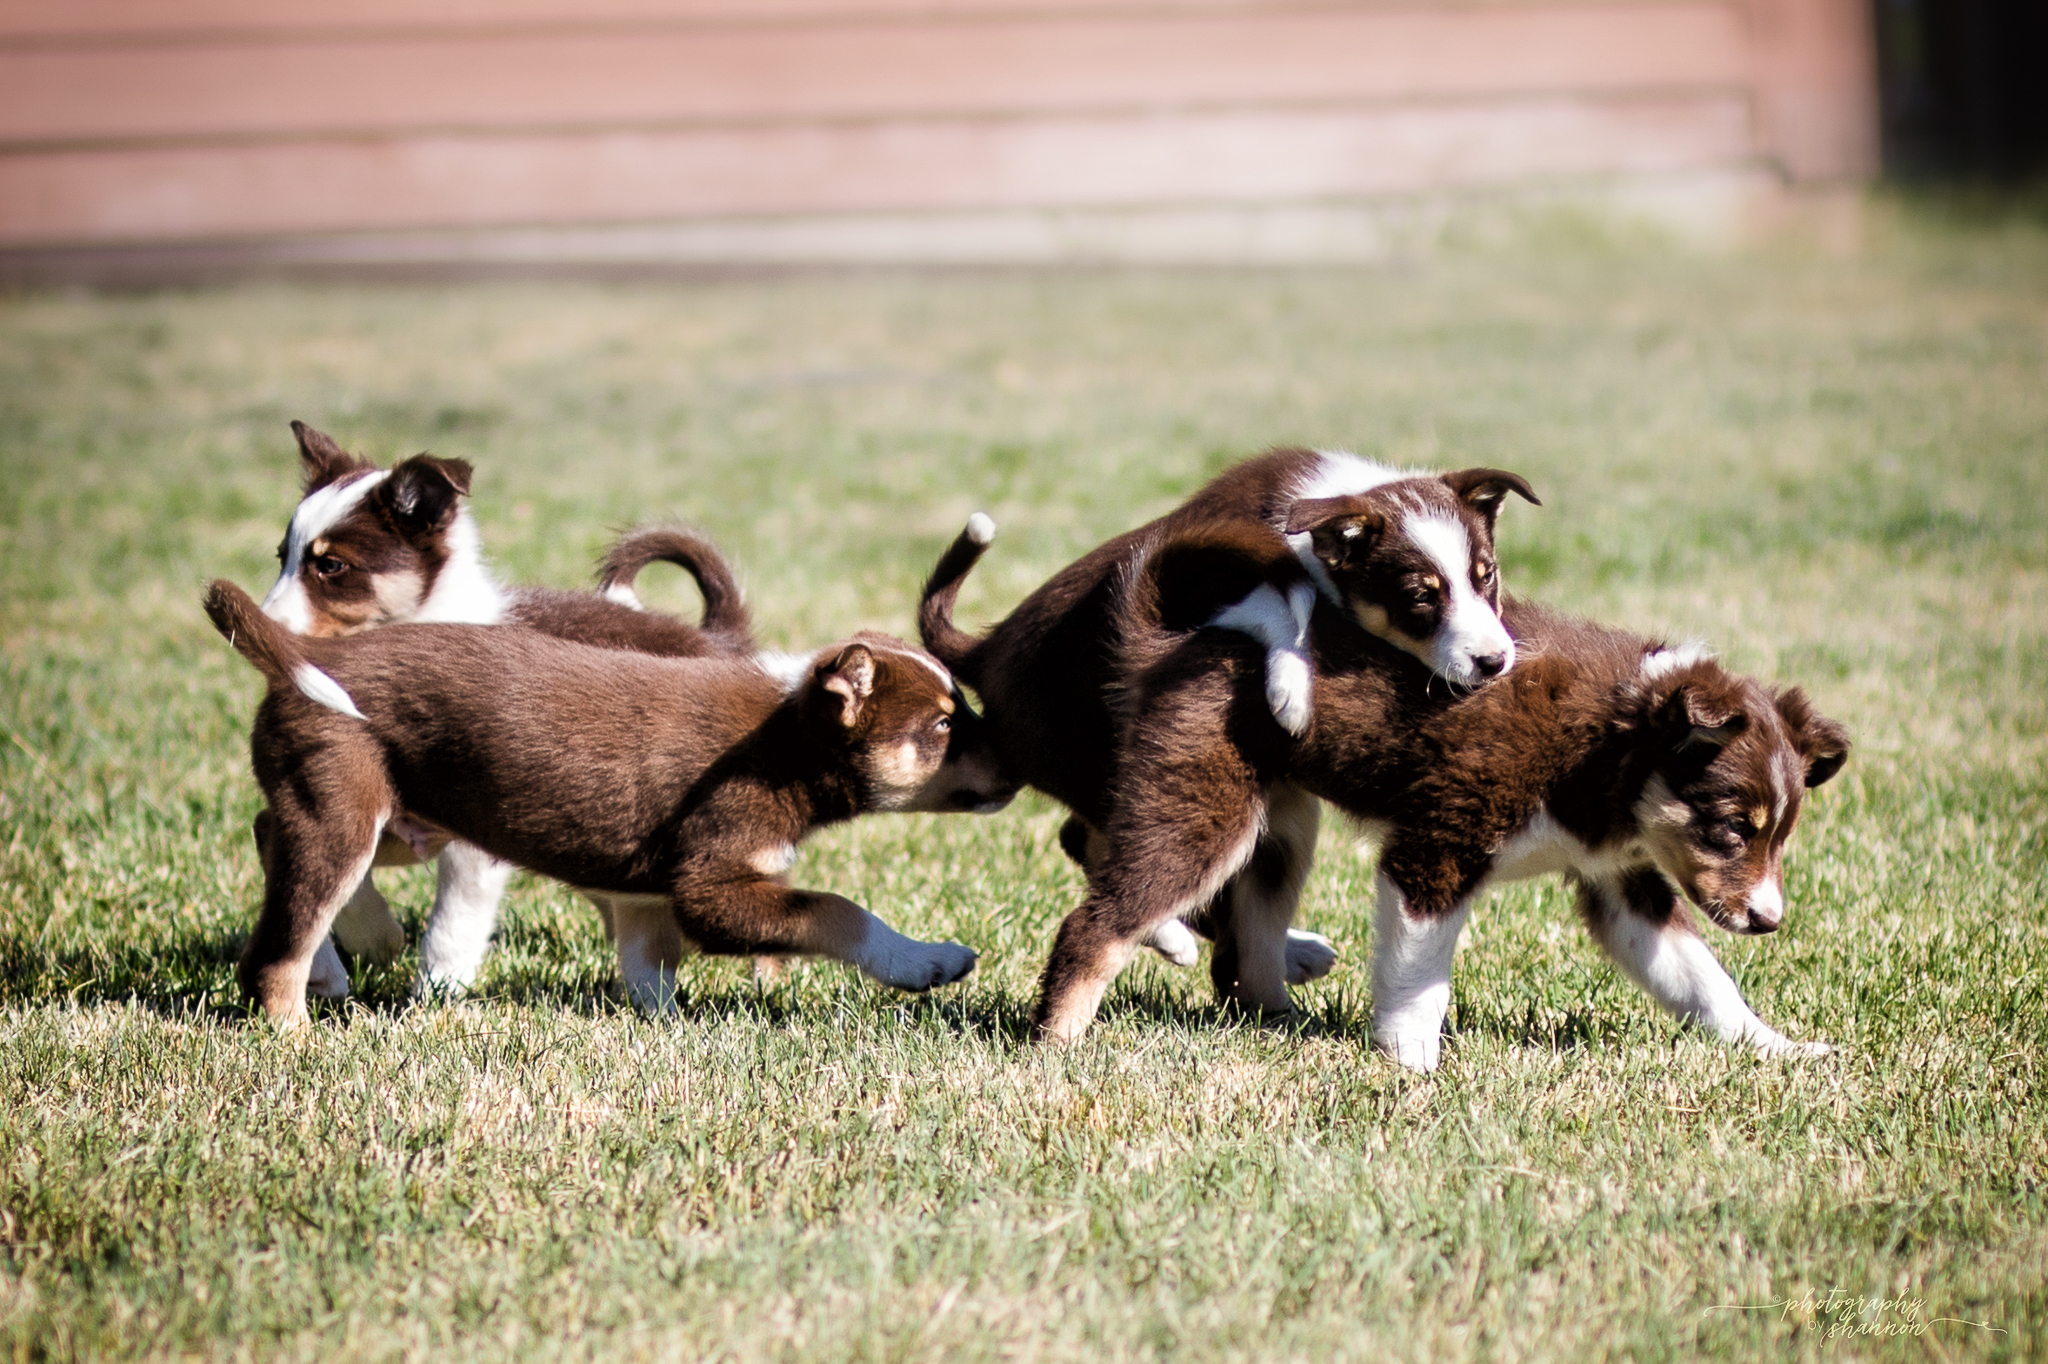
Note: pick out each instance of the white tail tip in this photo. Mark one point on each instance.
(981, 528)
(623, 595)
(324, 689)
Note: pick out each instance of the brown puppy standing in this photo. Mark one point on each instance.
(1642, 773)
(677, 787)
(1053, 676)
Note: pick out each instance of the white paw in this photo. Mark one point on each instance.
(1778, 1045)
(654, 995)
(1310, 956)
(1175, 941)
(442, 984)
(328, 978)
(1288, 690)
(1414, 1050)
(920, 966)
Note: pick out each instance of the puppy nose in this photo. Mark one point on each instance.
(1490, 665)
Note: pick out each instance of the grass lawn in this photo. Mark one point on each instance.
(1836, 470)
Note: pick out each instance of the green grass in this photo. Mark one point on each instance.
(1834, 469)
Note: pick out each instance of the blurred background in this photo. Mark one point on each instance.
(189, 133)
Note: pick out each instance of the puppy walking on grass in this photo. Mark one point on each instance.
(677, 789)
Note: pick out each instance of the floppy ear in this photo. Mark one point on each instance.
(1692, 716)
(1823, 743)
(421, 492)
(321, 460)
(851, 676)
(1483, 490)
(1339, 528)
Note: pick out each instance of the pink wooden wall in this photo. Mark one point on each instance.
(192, 120)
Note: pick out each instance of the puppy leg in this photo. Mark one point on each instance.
(1087, 846)
(317, 858)
(735, 911)
(1162, 864)
(1262, 900)
(366, 929)
(469, 884)
(1411, 977)
(650, 948)
(327, 977)
(1645, 929)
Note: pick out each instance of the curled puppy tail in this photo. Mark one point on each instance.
(725, 613)
(272, 649)
(948, 643)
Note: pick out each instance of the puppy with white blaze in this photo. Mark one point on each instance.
(1655, 781)
(369, 547)
(1416, 570)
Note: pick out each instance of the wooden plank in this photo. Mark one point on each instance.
(535, 82)
(148, 21)
(1245, 157)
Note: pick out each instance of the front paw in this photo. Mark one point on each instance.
(928, 965)
(1175, 941)
(1310, 956)
(1777, 1045)
(1416, 1051)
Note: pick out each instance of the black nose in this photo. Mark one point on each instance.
(1490, 665)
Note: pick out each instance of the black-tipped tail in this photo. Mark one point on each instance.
(725, 613)
(948, 643)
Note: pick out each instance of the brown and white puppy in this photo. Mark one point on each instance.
(1648, 776)
(677, 788)
(1408, 556)
(368, 547)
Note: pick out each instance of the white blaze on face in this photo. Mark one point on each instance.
(1766, 903)
(323, 508)
(1469, 628)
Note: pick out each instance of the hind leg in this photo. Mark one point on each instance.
(1264, 956)
(1087, 846)
(317, 858)
(650, 947)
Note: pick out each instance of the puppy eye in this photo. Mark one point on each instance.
(1743, 826)
(327, 566)
(1484, 573)
(1420, 595)
(942, 725)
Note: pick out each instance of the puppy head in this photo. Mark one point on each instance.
(1731, 761)
(914, 739)
(1412, 562)
(366, 545)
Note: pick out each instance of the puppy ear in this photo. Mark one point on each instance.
(1693, 715)
(1483, 490)
(321, 460)
(1339, 528)
(1823, 743)
(420, 495)
(851, 677)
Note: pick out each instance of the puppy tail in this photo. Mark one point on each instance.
(725, 613)
(273, 649)
(948, 642)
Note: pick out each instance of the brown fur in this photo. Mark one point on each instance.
(1579, 730)
(623, 774)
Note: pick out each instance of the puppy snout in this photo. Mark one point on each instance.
(1766, 906)
(1489, 665)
